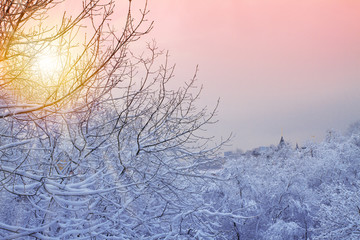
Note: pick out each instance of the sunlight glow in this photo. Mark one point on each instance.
(48, 66)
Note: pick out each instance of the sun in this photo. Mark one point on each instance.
(48, 66)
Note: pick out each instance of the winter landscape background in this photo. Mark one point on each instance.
(101, 139)
(274, 192)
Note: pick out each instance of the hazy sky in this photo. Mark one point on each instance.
(278, 66)
(286, 67)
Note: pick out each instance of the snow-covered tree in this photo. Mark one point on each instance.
(310, 192)
(94, 144)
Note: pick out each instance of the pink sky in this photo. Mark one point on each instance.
(278, 65)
